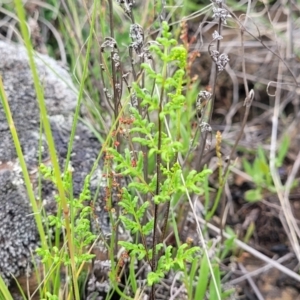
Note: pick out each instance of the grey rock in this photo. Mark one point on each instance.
(18, 234)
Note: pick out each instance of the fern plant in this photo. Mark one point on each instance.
(155, 136)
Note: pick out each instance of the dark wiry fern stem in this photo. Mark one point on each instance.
(111, 20)
(158, 172)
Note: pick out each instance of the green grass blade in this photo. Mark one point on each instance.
(202, 283)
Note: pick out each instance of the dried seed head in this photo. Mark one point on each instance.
(146, 54)
(203, 98)
(109, 45)
(116, 59)
(126, 5)
(134, 100)
(214, 55)
(205, 127)
(136, 33)
(222, 61)
(108, 95)
(221, 13)
(217, 1)
(216, 35)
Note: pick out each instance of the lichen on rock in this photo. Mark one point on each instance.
(18, 234)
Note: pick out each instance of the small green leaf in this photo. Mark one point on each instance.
(140, 186)
(129, 224)
(247, 167)
(154, 277)
(148, 227)
(141, 210)
(253, 195)
(282, 151)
